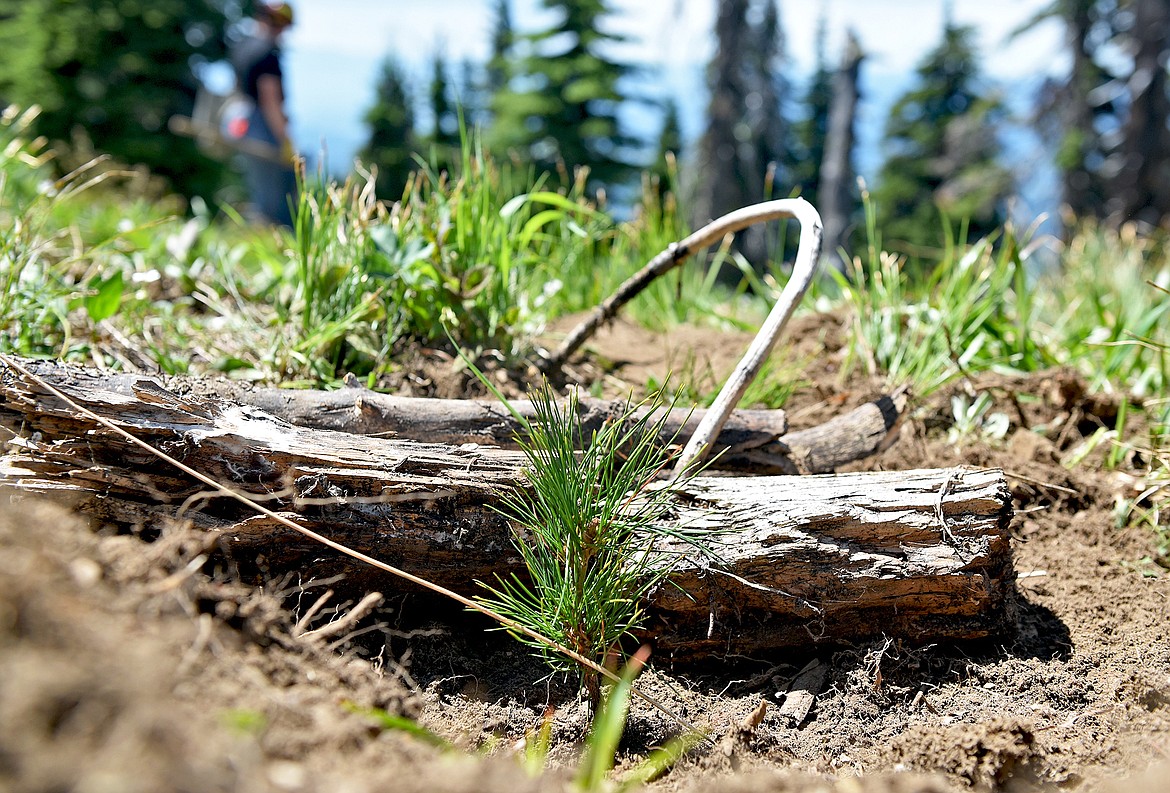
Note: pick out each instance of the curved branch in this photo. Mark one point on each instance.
(672, 257)
(808, 256)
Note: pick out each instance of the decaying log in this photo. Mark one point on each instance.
(756, 441)
(921, 555)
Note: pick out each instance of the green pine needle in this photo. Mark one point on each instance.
(587, 528)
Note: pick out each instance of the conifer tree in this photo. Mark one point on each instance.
(941, 150)
(560, 105)
(670, 137)
(769, 93)
(1139, 184)
(391, 141)
(1107, 118)
(443, 139)
(498, 65)
(1071, 113)
(115, 72)
(669, 148)
(838, 197)
(728, 173)
(471, 94)
(444, 119)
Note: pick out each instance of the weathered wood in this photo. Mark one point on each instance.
(843, 439)
(841, 557)
(755, 441)
(920, 555)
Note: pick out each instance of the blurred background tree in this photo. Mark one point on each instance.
(941, 151)
(1106, 118)
(391, 140)
(442, 141)
(1140, 182)
(110, 73)
(769, 100)
(745, 151)
(1071, 113)
(838, 193)
(503, 38)
(559, 105)
(670, 147)
(810, 131)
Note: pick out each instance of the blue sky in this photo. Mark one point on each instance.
(333, 53)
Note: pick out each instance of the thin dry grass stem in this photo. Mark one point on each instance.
(341, 548)
(202, 639)
(176, 579)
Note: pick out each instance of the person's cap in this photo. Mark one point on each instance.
(280, 14)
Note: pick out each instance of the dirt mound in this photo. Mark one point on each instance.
(123, 666)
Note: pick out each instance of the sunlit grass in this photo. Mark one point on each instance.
(1101, 310)
(973, 313)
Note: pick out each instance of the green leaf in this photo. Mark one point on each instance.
(660, 761)
(244, 721)
(230, 363)
(608, 726)
(105, 297)
(391, 721)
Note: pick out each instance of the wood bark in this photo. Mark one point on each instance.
(756, 441)
(920, 555)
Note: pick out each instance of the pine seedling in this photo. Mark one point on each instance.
(587, 530)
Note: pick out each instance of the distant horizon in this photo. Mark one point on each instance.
(332, 62)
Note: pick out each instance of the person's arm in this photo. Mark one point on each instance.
(271, 101)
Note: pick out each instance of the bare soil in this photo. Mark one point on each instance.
(141, 663)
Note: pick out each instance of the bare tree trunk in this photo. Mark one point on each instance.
(1140, 189)
(837, 189)
(727, 172)
(920, 555)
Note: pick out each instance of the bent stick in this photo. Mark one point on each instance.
(808, 254)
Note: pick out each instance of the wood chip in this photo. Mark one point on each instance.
(803, 692)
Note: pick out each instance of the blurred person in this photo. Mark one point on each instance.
(271, 180)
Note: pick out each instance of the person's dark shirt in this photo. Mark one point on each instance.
(252, 58)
